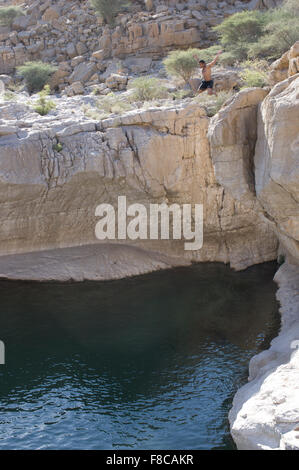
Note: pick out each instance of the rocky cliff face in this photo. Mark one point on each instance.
(254, 148)
(276, 162)
(265, 412)
(48, 197)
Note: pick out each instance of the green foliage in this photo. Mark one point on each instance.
(36, 74)
(253, 78)
(109, 9)
(10, 96)
(255, 73)
(96, 91)
(148, 89)
(206, 54)
(213, 103)
(44, 106)
(241, 29)
(281, 31)
(57, 147)
(106, 105)
(8, 14)
(181, 64)
(256, 34)
(226, 58)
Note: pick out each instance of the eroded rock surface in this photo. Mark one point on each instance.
(233, 135)
(277, 162)
(265, 413)
(54, 173)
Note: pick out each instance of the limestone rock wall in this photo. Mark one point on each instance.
(277, 162)
(254, 148)
(48, 198)
(255, 152)
(265, 412)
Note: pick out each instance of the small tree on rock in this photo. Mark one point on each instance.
(109, 9)
(181, 64)
(36, 74)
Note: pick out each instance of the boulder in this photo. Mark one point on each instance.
(286, 66)
(117, 82)
(294, 59)
(52, 13)
(75, 88)
(71, 50)
(81, 48)
(83, 72)
(99, 55)
(7, 80)
(138, 64)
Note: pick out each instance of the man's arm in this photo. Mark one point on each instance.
(211, 64)
(196, 58)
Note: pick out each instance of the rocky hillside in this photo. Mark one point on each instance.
(71, 36)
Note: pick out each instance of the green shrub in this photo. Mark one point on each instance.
(255, 73)
(57, 147)
(148, 89)
(111, 104)
(246, 26)
(8, 14)
(44, 106)
(240, 30)
(36, 74)
(108, 9)
(206, 54)
(213, 103)
(256, 34)
(181, 64)
(10, 96)
(253, 78)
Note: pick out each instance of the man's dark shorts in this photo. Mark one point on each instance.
(206, 84)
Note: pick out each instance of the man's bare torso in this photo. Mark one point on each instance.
(207, 73)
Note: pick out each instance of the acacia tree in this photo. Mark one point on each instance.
(181, 64)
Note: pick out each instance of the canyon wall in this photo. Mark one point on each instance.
(265, 413)
(161, 155)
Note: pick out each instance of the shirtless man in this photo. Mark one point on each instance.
(207, 83)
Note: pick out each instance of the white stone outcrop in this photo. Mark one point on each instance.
(286, 66)
(276, 162)
(265, 412)
(255, 151)
(233, 135)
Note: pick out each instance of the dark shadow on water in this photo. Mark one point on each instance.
(150, 362)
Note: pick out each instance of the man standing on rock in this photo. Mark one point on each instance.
(207, 83)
